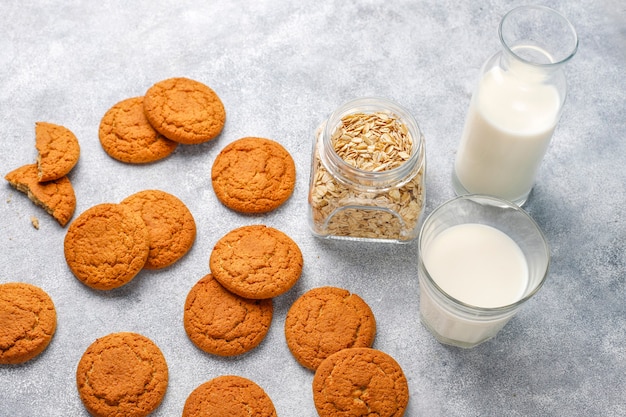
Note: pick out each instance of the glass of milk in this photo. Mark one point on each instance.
(516, 105)
(480, 259)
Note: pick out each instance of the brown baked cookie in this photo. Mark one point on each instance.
(126, 135)
(58, 151)
(56, 197)
(184, 110)
(171, 226)
(326, 320)
(253, 175)
(256, 262)
(360, 382)
(107, 245)
(122, 374)
(222, 323)
(28, 321)
(229, 395)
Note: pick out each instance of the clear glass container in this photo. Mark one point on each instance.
(452, 319)
(367, 173)
(516, 105)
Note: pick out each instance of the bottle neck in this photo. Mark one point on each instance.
(529, 63)
(536, 40)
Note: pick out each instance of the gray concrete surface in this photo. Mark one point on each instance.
(281, 67)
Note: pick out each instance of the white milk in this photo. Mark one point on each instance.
(508, 128)
(478, 265)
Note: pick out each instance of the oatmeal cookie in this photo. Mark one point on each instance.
(126, 135)
(171, 226)
(107, 245)
(229, 395)
(58, 151)
(256, 262)
(360, 382)
(56, 197)
(122, 374)
(253, 175)
(222, 323)
(27, 322)
(326, 320)
(184, 110)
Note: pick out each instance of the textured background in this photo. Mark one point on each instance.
(281, 67)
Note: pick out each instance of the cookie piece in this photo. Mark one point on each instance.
(185, 111)
(122, 374)
(229, 395)
(253, 175)
(55, 197)
(326, 320)
(126, 135)
(360, 382)
(107, 245)
(171, 226)
(222, 323)
(256, 262)
(58, 151)
(28, 321)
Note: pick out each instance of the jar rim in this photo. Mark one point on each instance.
(372, 104)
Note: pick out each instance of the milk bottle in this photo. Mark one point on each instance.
(516, 106)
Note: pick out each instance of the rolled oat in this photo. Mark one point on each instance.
(367, 176)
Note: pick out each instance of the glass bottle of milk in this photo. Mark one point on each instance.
(516, 105)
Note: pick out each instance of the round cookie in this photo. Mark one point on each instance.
(58, 151)
(107, 245)
(229, 395)
(126, 135)
(27, 322)
(253, 175)
(122, 374)
(360, 382)
(222, 323)
(171, 226)
(56, 197)
(185, 111)
(256, 262)
(326, 320)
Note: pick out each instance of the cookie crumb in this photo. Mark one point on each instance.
(35, 222)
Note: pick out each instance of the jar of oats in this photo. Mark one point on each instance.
(367, 173)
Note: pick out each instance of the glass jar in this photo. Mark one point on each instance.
(516, 105)
(367, 173)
